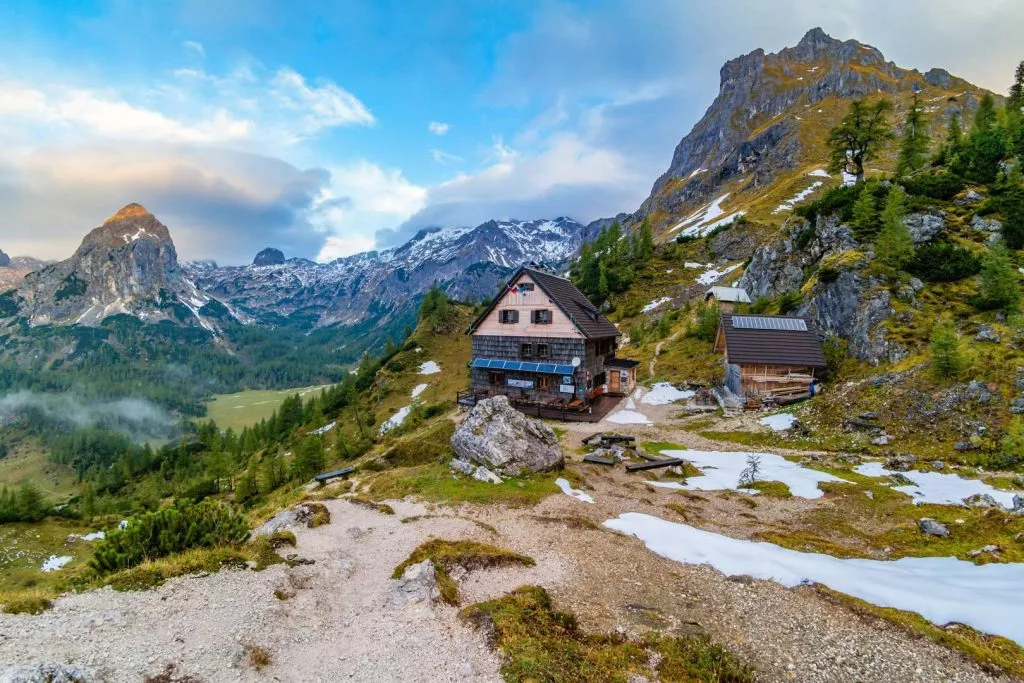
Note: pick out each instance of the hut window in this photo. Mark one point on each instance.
(508, 317)
(541, 317)
(542, 350)
(526, 350)
(525, 286)
(497, 378)
(542, 381)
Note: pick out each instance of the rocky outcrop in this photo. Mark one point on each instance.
(847, 303)
(127, 265)
(925, 226)
(5, 260)
(500, 438)
(268, 257)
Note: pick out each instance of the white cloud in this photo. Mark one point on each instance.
(194, 46)
(438, 128)
(63, 109)
(443, 157)
(362, 198)
(324, 106)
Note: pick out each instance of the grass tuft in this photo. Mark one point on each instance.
(258, 657)
(772, 489)
(540, 643)
(25, 602)
(446, 555)
(363, 501)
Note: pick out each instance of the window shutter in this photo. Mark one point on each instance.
(515, 316)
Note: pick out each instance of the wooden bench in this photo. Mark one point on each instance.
(327, 476)
(653, 465)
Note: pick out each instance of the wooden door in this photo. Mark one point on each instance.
(613, 382)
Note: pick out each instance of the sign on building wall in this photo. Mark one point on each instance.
(567, 379)
(567, 389)
(520, 383)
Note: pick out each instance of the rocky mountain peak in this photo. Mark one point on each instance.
(269, 257)
(5, 260)
(126, 227)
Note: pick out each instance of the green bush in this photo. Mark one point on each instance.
(707, 323)
(836, 200)
(789, 302)
(171, 530)
(804, 237)
(942, 186)
(944, 262)
(828, 274)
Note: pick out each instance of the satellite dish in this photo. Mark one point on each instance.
(576, 362)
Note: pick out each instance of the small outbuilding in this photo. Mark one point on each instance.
(769, 357)
(727, 297)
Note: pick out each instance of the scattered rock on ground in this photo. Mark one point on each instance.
(970, 197)
(41, 672)
(900, 463)
(483, 474)
(880, 440)
(981, 500)
(499, 437)
(925, 227)
(986, 224)
(300, 515)
(929, 527)
(418, 584)
(464, 466)
(984, 549)
(987, 334)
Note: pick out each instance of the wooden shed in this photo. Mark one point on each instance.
(769, 357)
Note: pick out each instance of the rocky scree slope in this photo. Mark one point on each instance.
(128, 265)
(469, 263)
(762, 140)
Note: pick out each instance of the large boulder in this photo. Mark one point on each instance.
(502, 439)
(925, 226)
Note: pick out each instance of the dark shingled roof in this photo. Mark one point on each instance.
(574, 303)
(749, 346)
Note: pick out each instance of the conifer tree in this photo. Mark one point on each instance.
(858, 138)
(999, 289)
(914, 146)
(947, 355)
(865, 215)
(894, 246)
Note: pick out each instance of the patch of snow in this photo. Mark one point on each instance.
(668, 271)
(664, 393)
(797, 198)
(706, 218)
(936, 487)
(123, 524)
(396, 419)
(94, 536)
(429, 368)
(692, 264)
(711, 275)
(820, 173)
(629, 415)
(941, 589)
(55, 562)
(654, 304)
(418, 389)
(568, 490)
(720, 470)
(698, 171)
(326, 428)
(779, 422)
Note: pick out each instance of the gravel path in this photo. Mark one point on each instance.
(336, 627)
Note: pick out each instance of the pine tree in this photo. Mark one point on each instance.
(644, 240)
(999, 289)
(861, 134)
(1016, 99)
(947, 355)
(865, 214)
(914, 146)
(985, 116)
(894, 246)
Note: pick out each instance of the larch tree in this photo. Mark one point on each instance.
(894, 245)
(915, 142)
(862, 133)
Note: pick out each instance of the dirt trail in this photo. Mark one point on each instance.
(657, 350)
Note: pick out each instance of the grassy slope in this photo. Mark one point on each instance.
(27, 461)
(246, 408)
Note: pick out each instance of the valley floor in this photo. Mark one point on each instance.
(339, 626)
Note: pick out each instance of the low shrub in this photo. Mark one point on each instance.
(944, 262)
(836, 200)
(152, 535)
(259, 657)
(804, 237)
(789, 302)
(942, 186)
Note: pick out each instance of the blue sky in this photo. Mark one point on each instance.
(326, 128)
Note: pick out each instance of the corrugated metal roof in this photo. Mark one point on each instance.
(730, 294)
(769, 322)
(783, 343)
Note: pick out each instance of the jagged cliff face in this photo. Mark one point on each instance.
(766, 128)
(127, 265)
(5, 260)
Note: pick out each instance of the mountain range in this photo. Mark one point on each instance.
(758, 151)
